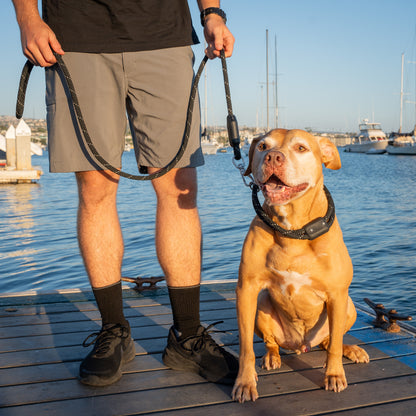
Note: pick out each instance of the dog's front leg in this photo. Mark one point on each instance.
(337, 311)
(245, 387)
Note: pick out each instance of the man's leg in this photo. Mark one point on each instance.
(178, 244)
(99, 232)
(178, 229)
(101, 245)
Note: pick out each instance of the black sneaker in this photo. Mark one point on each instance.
(200, 354)
(113, 348)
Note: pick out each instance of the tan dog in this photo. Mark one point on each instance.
(293, 293)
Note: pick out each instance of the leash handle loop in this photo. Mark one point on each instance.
(232, 125)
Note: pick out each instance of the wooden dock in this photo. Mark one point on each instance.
(20, 176)
(40, 352)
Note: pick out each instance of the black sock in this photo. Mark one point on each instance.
(185, 309)
(110, 304)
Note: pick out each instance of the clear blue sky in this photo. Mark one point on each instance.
(337, 62)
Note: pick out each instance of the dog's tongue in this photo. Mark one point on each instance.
(273, 183)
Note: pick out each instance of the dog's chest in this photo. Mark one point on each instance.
(297, 275)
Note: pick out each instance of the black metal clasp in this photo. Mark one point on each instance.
(316, 228)
(234, 135)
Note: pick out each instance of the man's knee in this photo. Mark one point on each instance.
(97, 187)
(178, 185)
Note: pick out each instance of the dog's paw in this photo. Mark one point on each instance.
(355, 354)
(271, 360)
(336, 383)
(244, 391)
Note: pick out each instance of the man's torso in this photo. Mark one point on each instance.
(110, 26)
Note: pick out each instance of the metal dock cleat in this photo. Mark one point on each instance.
(391, 324)
(144, 283)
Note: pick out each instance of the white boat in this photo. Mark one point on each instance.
(371, 137)
(35, 149)
(402, 145)
(209, 147)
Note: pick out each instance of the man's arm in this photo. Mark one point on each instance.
(216, 33)
(38, 40)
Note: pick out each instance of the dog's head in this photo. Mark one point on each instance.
(287, 163)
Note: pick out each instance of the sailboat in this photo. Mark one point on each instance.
(402, 143)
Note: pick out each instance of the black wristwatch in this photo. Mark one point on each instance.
(210, 10)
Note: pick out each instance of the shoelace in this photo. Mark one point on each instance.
(103, 338)
(205, 337)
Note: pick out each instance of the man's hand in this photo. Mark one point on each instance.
(217, 36)
(38, 42)
(38, 39)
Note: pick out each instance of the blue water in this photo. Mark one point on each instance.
(375, 199)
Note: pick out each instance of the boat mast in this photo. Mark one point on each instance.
(275, 81)
(267, 77)
(206, 98)
(401, 96)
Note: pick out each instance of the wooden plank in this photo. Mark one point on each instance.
(24, 326)
(57, 340)
(91, 325)
(13, 309)
(43, 372)
(316, 402)
(86, 327)
(130, 312)
(134, 380)
(399, 407)
(64, 347)
(220, 290)
(77, 352)
(306, 399)
(16, 348)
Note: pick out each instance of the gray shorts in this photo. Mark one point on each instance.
(151, 87)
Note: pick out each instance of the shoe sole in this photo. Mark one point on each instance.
(93, 380)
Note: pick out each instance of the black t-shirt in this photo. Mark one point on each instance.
(110, 26)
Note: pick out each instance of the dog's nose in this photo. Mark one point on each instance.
(275, 158)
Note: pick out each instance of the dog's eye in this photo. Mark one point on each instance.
(262, 146)
(300, 148)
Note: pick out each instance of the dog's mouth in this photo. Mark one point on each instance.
(278, 192)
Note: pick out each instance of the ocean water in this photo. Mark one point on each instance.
(375, 200)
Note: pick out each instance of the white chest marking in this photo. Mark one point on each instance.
(285, 222)
(294, 279)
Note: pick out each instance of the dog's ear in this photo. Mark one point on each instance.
(250, 154)
(329, 152)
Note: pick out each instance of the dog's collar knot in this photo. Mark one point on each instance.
(310, 231)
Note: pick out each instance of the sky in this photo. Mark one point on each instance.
(337, 62)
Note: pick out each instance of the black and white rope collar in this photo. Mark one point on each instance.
(310, 231)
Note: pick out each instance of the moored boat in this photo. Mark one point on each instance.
(209, 147)
(370, 138)
(402, 144)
